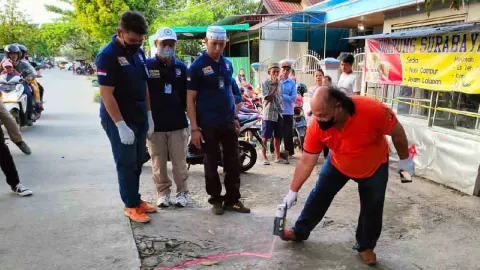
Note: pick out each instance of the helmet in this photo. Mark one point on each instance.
(301, 89)
(23, 49)
(12, 48)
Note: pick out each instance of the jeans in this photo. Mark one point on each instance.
(128, 160)
(225, 136)
(372, 197)
(6, 163)
(29, 93)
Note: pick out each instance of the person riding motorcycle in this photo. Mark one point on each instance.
(38, 88)
(13, 54)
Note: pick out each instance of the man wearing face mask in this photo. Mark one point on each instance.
(167, 84)
(354, 130)
(125, 108)
(212, 114)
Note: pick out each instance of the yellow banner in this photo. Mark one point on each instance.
(443, 63)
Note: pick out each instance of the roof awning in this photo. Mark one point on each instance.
(461, 28)
(301, 19)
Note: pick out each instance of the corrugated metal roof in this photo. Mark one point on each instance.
(281, 7)
(461, 28)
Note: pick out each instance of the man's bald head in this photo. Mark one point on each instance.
(326, 99)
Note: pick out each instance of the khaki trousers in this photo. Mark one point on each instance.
(9, 122)
(161, 146)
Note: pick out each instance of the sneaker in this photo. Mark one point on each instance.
(238, 207)
(266, 162)
(137, 215)
(24, 148)
(217, 209)
(21, 190)
(368, 257)
(182, 199)
(288, 235)
(282, 161)
(164, 201)
(146, 207)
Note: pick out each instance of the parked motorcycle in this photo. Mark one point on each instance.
(246, 151)
(14, 98)
(299, 127)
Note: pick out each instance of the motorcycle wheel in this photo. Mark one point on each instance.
(247, 153)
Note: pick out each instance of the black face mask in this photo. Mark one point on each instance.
(132, 48)
(324, 125)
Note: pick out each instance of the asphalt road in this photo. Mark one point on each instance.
(74, 220)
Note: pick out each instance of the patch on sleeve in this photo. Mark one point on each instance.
(101, 72)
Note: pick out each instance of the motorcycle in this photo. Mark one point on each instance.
(80, 71)
(246, 151)
(13, 97)
(299, 127)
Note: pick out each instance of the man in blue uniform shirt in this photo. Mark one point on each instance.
(167, 85)
(211, 110)
(125, 108)
(289, 94)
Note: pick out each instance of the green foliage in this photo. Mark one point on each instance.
(99, 18)
(14, 26)
(454, 4)
(199, 12)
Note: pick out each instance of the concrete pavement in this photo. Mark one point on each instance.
(74, 220)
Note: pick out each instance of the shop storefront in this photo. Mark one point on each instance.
(430, 77)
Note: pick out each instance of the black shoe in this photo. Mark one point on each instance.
(238, 207)
(217, 209)
(21, 190)
(24, 148)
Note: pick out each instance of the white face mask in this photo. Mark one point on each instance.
(166, 52)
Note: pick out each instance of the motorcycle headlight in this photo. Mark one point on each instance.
(9, 97)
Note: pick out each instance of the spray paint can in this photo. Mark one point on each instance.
(280, 219)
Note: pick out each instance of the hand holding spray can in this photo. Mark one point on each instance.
(280, 219)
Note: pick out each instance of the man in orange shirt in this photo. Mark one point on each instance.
(354, 130)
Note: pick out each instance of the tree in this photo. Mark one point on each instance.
(454, 4)
(14, 26)
(99, 18)
(199, 12)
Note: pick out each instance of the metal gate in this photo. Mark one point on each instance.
(305, 66)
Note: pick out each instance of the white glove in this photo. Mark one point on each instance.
(291, 199)
(151, 124)
(126, 134)
(406, 165)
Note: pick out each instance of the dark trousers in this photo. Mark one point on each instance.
(325, 151)
(7, 164)
(372, 197)
(128, 160)
(288, 133)
(40, 87)
(225, 136)
(29, 93)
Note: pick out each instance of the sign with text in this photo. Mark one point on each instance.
(448, 62)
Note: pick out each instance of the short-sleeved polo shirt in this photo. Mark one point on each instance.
(127, 73)
(213, 82)
(360, 149)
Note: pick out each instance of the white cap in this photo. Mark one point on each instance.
(216, 33)
(165, 33)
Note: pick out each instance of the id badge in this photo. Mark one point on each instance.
(168, 88)
(221, 83)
